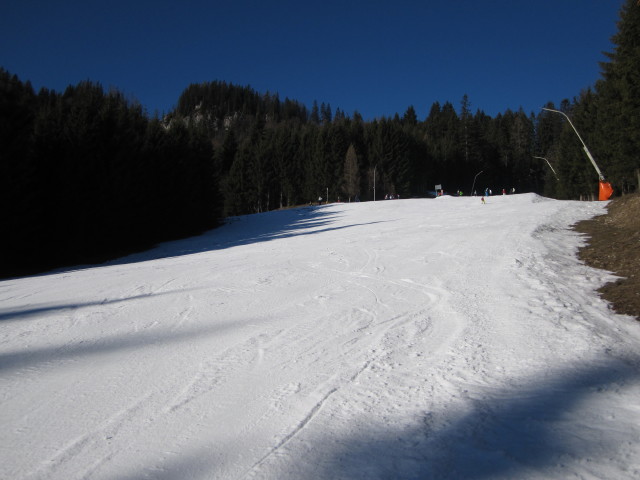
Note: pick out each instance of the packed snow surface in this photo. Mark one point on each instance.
(409, 339)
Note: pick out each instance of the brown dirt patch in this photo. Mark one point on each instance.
(614, 245)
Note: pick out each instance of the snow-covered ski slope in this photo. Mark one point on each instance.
(408, 339)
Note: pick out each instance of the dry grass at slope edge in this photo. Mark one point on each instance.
(614, 245)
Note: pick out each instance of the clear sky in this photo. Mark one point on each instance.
(376, 57)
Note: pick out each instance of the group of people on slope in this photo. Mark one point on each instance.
(488, 193)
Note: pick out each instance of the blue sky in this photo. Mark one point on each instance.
(376, 57)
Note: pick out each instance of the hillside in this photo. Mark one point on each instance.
(414, 339)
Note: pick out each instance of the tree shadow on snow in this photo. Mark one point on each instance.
(514, 433)
(37, 310)
(251, 229)
(237, 231)
(53, 354)
(526, 432)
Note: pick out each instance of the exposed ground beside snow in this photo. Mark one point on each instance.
(614, 245)
(401, 339)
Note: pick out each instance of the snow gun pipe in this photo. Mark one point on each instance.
(474, 182)
(584, 146)
(554, 172)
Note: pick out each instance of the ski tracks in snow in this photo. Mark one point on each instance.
(367, 323)
(340, 351)
(63, 464)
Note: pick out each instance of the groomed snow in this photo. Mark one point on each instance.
(409, 339)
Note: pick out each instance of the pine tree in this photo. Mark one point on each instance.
(577, 177)
(465, 125)
(325, 113)
(315, 113)
(619, 102)
(410, 118)
(351, 173)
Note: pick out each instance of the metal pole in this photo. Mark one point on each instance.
(474, 181)
(584, 146)
(374, 183)
(554, 172)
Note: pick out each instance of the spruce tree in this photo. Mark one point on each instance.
(410, 118)
(351, 173)
(465, 126)
(315, 113)
(619, 101)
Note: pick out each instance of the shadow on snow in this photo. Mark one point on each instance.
(518, 432)
(528, 431)
(237, 231)
(36, 310)
(53, 354)
(250, 229)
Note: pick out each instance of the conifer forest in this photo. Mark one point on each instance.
(86, 174)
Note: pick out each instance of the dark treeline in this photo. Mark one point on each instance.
(272, 154)
(86, 174)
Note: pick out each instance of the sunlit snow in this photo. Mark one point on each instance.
(408, 339)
